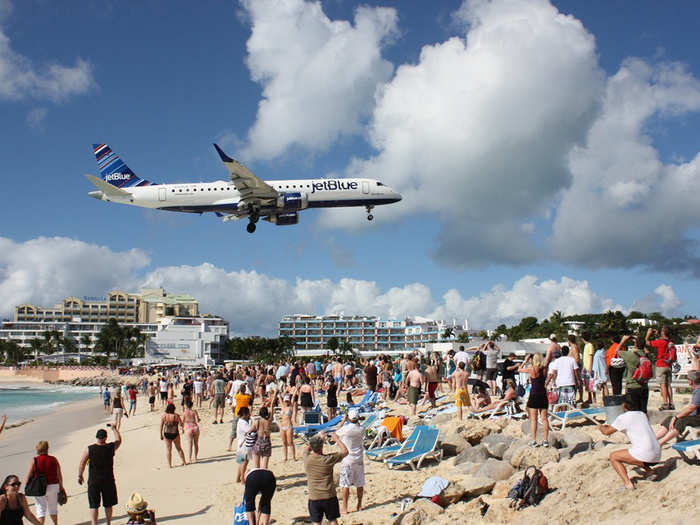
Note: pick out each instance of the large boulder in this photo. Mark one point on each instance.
(502, 488)
(475, 454)
(495, 469)
(515, 445)
(475, 486)
(571, 438)
(497, 444)
(421, 512)
(466, 468)
(453, 493)
(475, 430)
(570, 452)
(554, 438)
(440, 419)
(538, 456)
(427, 507)
(453, 443)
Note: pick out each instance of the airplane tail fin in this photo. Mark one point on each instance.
(113, 170)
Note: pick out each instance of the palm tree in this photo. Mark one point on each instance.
(86, 341)
(52, 339)
(448, 333)
(36, 344)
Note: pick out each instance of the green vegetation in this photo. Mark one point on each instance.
(262, 349)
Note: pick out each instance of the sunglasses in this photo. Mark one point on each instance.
(15, 484)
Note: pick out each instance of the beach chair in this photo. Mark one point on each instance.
(370, 398)
(563, 417)
(688, 450)
(309, 430)
(424, 448)
(388, 451)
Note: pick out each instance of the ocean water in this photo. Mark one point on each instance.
(21, 401)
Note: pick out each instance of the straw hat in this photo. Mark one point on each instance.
(136, 504)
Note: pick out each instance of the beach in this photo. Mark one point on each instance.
(585, 487)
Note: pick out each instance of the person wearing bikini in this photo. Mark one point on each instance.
(286, 427)
(170, 424)
(262, 450)
(190, 418)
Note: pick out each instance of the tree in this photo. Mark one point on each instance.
(12, 351)
(86, 340)
(332, 344)
(483, 334)
(448, 333)
(36, 345)
(52, 339)
(463, 337)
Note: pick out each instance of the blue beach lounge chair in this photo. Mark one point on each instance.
(381, 453)
(315, 429)
(688, 449)
(425, 447)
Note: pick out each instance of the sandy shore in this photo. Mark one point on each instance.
(205, 492)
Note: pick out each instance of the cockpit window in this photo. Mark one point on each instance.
(380, 184)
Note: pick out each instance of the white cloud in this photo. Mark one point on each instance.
(319, 76)
(478, 130)
(45, 270)
(626, 207)
(20, 78)
(664, 300)
(36, 118)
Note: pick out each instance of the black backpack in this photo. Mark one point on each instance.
(530, 490)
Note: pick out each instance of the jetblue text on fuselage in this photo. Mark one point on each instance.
(333, 185)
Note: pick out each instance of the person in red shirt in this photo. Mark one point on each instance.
(49, 467)
(132, 399)
(665, 352)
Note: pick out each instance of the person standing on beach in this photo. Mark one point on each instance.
(198, 389)
(3, 420)
(414, 381)
(460, 386)
(371, 373)
(13, 504)
(190, 418)
(352, 468)
(101, 485)
(218, 392)
(152, 396)
(262, 449)
(665, 356)
(107, 400)
(432, 377)
(170, 424)
(553, 350)
(49, 466)
(537, 402)
(323, 500)
(587, 366)
(133, 393)
(118, 409)
(163, 388)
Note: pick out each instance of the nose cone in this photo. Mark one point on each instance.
(395, 196)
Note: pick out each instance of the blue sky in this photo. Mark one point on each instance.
(161, 81)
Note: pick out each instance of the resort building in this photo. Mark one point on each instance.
(188, 341)
(311, 333)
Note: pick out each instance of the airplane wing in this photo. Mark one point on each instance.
(251, 187)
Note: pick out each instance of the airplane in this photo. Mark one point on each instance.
(243, 196)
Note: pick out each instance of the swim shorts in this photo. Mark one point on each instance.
(462, 397)
(219, 401)
(413, 395)
(663, 374)
(352, 474)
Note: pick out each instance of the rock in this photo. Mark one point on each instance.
(501, 489)
(466, 468)
(570, 452)
(571, 438)
(476, 486)
(538, 456)
(452, 494)
(428, 507)
(440, 419)
(475, 430)
(495, 469)
(515, 445)
(475, 454)
(601, 444)
(453, 443)
(497, 444)
(554, 438)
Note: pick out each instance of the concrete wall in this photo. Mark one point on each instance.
(63, 373)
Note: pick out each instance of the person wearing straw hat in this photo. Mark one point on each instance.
(138, 511)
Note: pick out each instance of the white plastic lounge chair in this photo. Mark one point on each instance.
(425, 447)
(563, 417)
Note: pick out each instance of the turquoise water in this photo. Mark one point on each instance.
(23, 401)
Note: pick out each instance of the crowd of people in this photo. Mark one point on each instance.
(260, 399)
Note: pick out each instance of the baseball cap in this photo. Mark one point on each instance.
(353, 415)
(101, 434)
(553, 336)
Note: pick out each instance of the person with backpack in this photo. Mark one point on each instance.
(637, 372)
(644, 449)
(665, 357)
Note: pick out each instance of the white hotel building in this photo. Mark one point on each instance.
(364, 333)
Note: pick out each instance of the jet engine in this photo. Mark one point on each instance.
(284, 219)
(292, 201)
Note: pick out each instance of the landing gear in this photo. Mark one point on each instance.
(369, 213)
(253, 219)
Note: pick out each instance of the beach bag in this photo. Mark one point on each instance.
(240, 516)
(36, 484)
(530, 490)
(250, 439)
(643, 372)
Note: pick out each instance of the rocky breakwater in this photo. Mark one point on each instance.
(109, 381)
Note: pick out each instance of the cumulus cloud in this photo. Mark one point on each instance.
(20, 78)
(318, 75)
(664, 300)
(626, 207)
(478, 130)
(45, 270)
(518, 143)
